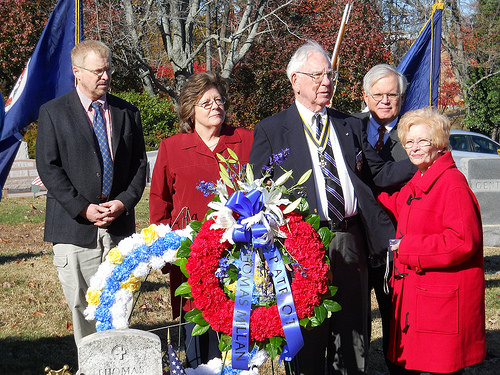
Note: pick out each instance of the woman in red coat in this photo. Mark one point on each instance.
(186, 159)
(438, 280)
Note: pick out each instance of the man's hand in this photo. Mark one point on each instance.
(114, 209)
(103, 214)
(95, 214)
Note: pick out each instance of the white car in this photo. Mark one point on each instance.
(465, 144)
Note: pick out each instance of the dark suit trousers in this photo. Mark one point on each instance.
(345, 335)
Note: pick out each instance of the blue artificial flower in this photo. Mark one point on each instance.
(206, 188)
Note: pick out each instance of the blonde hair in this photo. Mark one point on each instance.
(437, 122)
(82, 49)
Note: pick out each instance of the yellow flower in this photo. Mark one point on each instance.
(93, 297)
(132, 284)
(115, 256)
(227, 357)
(232, 287)
(150, 234)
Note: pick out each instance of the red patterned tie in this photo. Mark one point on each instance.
(380, 142)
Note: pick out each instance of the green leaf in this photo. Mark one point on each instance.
(181, 263)
(225, 343)
(304, 177)
(320, 313)
(232, 272)
(199, 330)
(332, 290)
(183, 290)
(305, 322)
(332, 306)
(185, 250)
(304, 206)
(314, 220)
(195, 225)
(196, 316)
(326, 236)
(273, 347)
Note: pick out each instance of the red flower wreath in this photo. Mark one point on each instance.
(308, 285)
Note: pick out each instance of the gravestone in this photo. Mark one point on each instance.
(120, 351)
(483, 175)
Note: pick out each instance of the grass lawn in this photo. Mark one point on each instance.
(35, 322)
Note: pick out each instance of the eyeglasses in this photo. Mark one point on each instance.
(317, 77)
(98, 72)
(421, 143)
(391, 97)
(209, 103)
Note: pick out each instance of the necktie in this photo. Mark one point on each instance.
(334, 194)
(380, 142)
(102, 139)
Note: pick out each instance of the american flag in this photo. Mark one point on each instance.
(37, 181)
(175, 365)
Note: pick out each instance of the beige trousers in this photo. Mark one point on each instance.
(75, 266)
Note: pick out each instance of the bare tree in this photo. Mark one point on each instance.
(152, 34)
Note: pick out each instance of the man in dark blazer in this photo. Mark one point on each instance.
(384, 92)
(85, 218)
(346, 333)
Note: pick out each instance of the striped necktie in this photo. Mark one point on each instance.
(102, 139)
(334, 194)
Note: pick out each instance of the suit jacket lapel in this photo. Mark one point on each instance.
(344, 135)
(79, 118)
(299, 152)
(117, 120)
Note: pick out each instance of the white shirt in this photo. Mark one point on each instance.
(350, 199)
(372, 130)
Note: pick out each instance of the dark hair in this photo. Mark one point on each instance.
(192, 91)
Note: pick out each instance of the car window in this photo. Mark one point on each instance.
(458, 142)
(484, 145)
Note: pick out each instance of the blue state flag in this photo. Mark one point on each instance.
(47, 75)
(422, 63)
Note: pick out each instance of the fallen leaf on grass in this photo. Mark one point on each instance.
(492, 321)
(6, 285)
(146, 306)
(37, 313)
(69, 325)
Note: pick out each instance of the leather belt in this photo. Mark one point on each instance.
(341, 226)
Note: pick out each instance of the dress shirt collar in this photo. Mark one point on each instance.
(308, 115)
(374, 125)
(87, 102)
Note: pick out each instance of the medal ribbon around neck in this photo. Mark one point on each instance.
(325, 134)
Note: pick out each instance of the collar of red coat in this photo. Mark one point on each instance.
(425, 182)
(228, 136)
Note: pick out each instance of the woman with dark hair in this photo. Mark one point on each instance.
(188, 158)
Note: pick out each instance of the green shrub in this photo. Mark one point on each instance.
(158, 116)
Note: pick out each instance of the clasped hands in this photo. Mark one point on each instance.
(103, 214)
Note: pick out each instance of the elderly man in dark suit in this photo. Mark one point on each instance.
(91, 156)
(334, 146)
(384, 92)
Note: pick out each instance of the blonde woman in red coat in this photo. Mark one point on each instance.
(438, 280)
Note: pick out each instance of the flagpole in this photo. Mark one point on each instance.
(340, 36)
